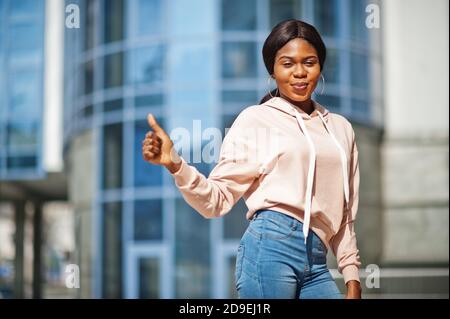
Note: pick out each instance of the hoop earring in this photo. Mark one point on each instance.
(323, 84)
(270, 91)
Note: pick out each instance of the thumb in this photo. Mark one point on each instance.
(153, 124)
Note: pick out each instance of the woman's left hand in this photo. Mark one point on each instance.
(353, 290)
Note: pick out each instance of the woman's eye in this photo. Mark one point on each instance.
(287, 64)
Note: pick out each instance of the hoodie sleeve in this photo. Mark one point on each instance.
(344, 242)
(233, 175)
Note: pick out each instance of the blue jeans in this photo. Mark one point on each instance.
(274, 262)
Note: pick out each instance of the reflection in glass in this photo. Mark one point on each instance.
(242, 97)
(191, 64)
(112, 156)
(360, 108)
(88, 77)
(149, 17)
(331, 102)
(22, 57)
(24, 37)
(148, 222)
(325, 17)
(282, 10)
(358, 28)
(149, 100)
(113, 70)
(227, 121)
(145, 174)
(113, 105)
(88, 111)
(359, 70)
(146, 65)
(22, 7)
(113, 27)
(112, 250)
(14, 162)
(331, 69)
(192, 252)
(149, 275)
(22, 134)
(24, 96)
(234, 222)
(90, 24)
(238, 59)
(238, 15)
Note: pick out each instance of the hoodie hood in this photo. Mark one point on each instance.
(285, 106)
(300, 115)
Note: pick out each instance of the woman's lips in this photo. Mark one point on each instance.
(300, 86)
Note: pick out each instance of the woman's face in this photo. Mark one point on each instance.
(296, 70)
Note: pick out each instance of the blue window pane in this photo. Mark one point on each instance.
(88, 77)
(146, 65)
(114, 105)
(192, 64)
(112, 156)
(145, 174)
(331, 102)
(24, 95)
(149, 274)
(238, 60)
(22, 57)
(227, 121)
(235, 222)
(15, 162)
(282, 10)
(192, 253)
(238, 15)
(360, 108)
(149, 17)
(149, 100)
(331, 68)
(113, 70)
(148, 222)
(358, 28)
(241, 97)
(359, 70)
(22, 134)
(87, 111)
(113, 21)
(89, 24)
(112, 250)
(25, 36)
(326, 19)
(21, 7)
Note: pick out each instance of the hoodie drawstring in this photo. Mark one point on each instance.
(311, 170)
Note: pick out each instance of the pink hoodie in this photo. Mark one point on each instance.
(307, 168)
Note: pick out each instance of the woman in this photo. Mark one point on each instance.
(302, 194)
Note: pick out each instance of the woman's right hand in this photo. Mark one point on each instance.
(157, 147)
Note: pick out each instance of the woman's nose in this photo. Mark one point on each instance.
(299, 71)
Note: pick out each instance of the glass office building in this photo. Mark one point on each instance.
(182, 61)
(31, 172)
(21, 89)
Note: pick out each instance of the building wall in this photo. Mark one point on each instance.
(415, 146)
(81, 172)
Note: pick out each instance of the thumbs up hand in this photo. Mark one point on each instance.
(157, 147)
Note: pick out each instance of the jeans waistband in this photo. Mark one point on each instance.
(286, 219)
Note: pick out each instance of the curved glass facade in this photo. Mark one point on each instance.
(183, 61)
